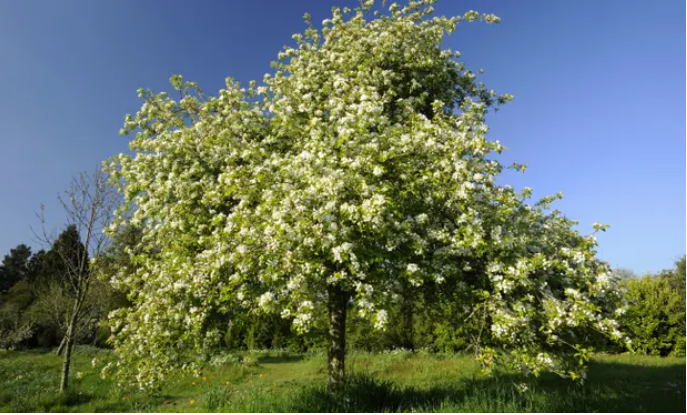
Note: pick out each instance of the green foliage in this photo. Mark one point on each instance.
(64, 255)
(439, 324)
(15, 330)
(655, 318)
(676, 277)
(260, 332)
(14, 267)
(34, 311)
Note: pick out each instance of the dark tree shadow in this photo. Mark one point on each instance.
(280, 359)
(56, 401)
(611, 387)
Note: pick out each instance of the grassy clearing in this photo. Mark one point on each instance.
(279, 382)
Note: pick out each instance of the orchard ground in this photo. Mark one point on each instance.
(382, 382)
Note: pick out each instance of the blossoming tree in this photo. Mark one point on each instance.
(359, 167)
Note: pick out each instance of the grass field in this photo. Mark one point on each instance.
(268, 382)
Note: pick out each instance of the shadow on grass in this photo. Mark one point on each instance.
(280, 359)
(364, 393)
(141, 403)
(611, 387)
(54, 402)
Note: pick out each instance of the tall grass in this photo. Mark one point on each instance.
(386, 382)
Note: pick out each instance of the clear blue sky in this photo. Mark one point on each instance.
(598, 114)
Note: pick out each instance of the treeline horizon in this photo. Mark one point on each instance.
(35, 300)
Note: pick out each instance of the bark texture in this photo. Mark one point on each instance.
(407, 314)
(337, 336)
(64, 382)
(60, 348)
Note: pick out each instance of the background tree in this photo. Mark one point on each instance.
(623, 274)
(25, 321)
(89, 204)
(655, 314)
(14, 329)
(677, 278)
(655, 317)
(36, 266)
(14, 267)
(58, 263)
(114, 262)
(359, 166)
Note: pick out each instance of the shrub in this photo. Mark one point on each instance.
(655, 319)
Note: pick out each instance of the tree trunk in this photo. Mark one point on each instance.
(337, 336)
(407, 316)
(276, 338)
(61, 346)
(64, 383)
(95, 330)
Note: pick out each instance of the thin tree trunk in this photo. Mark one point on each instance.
(60, 348)
(337, 336)
(95, 329)
(64, 383)
(276, 338)
(407, 316)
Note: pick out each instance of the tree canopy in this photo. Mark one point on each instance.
(360, 165)
(14, 267)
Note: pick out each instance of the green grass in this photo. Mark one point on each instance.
(279, 382)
